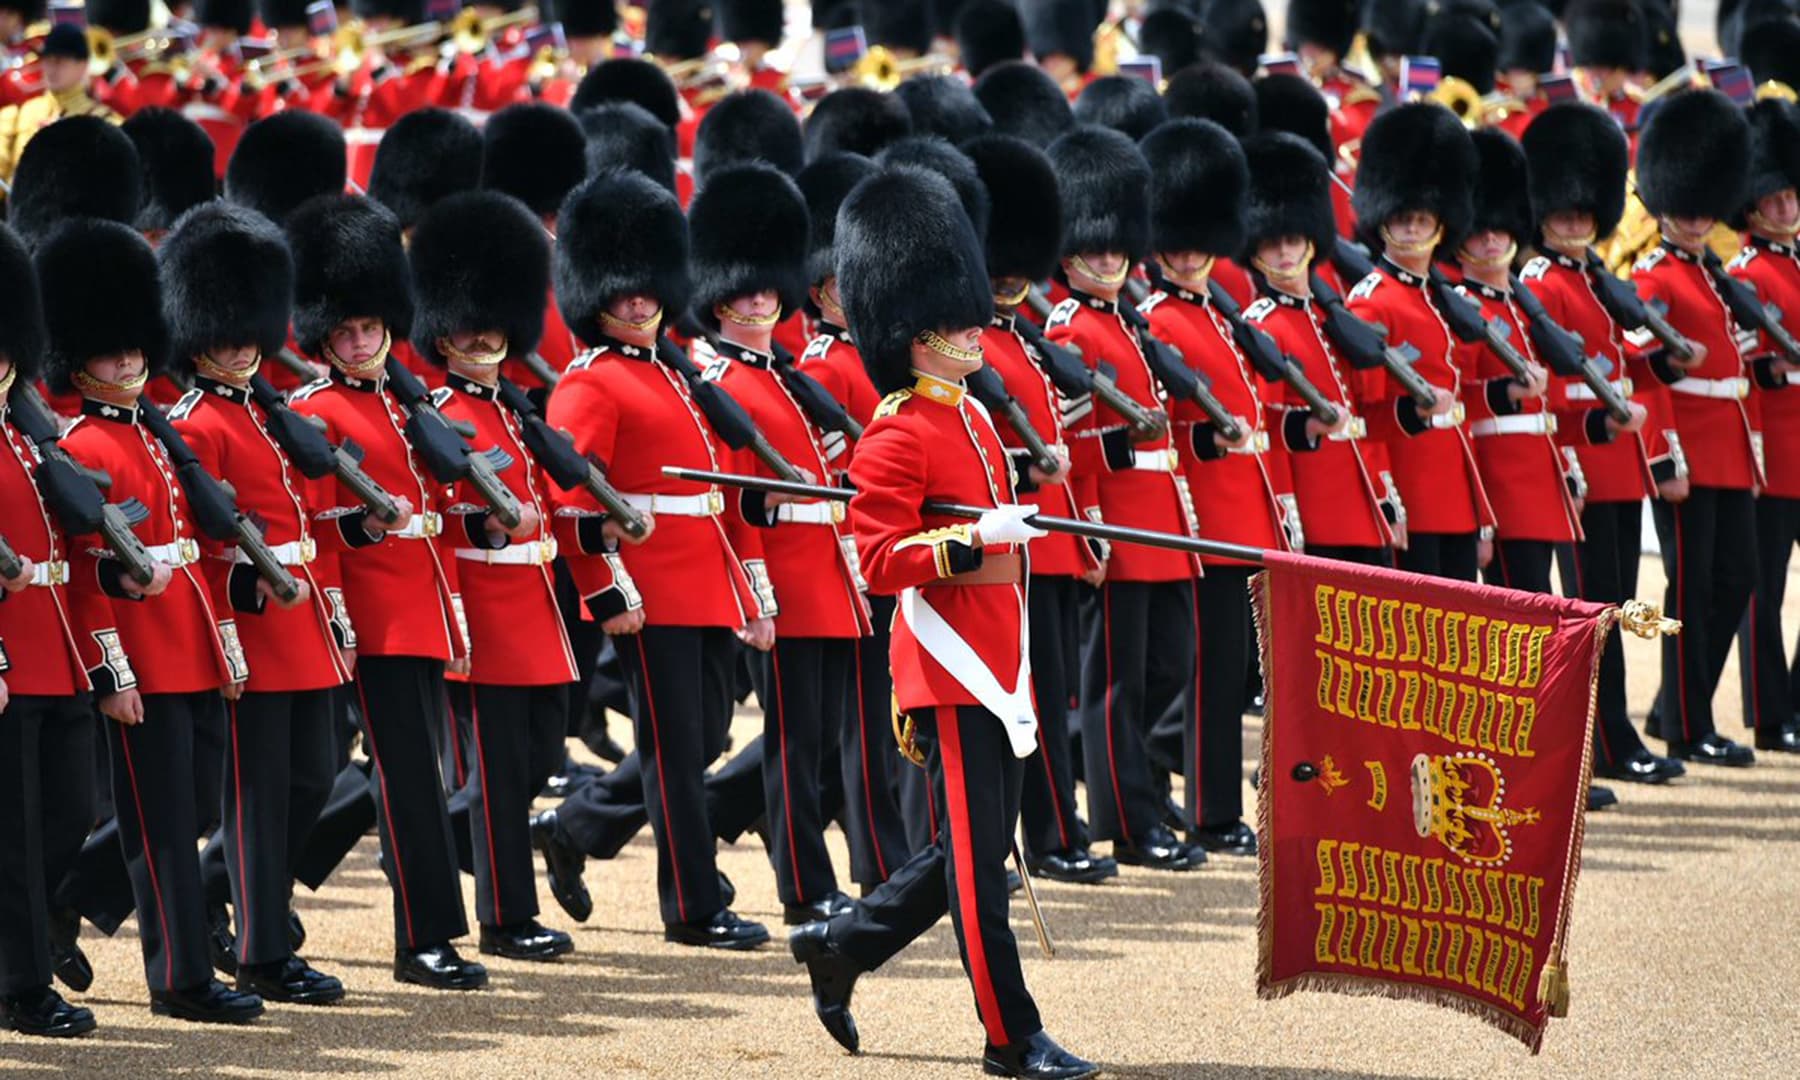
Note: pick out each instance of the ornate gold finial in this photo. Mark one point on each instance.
(1646, 619)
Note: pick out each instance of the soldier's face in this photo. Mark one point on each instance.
(1413, 227)
(935, 363)
(1569, 228)
(119, 369)
(1285, 256)
(356, 341)
(1781, 210)
(1692, 230)
(63, 73)
(1186, 265)
(634, 310)
(235, 359)
(756, 305)
(478, 341)
(1488, 245)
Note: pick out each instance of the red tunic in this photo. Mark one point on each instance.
(1353, 103)
(38, 624)
(832, 359)
(1773, 270)
(1140, 484)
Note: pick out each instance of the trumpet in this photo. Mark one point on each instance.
(880, 69)
(1460, 98)
(345, 51)
(472, 33)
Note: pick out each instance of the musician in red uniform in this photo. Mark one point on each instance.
(1609, 43)
(1577, 164)
(1769, 264)
(749, 226)
(1138, 646)
(46, 735)
(917, 296)
(1199, 182)
(1345, 498)
(831, 357)
(1693, 166)
(159, 653)
(1413, 196)
(352, 300)
(1527, 55)
(227, 292)
(1023, 244)
(701, 580)
(481, 268)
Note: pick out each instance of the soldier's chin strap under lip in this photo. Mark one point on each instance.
(948, 349)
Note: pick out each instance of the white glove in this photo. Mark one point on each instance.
(1008, 525)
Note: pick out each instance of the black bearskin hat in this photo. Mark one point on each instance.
(749, 228)
(903, 25)
(98, 281)
(1024, 101)
(1212, 91)
(1290, 193)
(855, 120)
(21, 308)
(78, 167)
(989, 32)
(480, 261)
(1062, 27)
(1732, 18)
(429, 154)
(943, 16)
(1466, 47)
(927, 152)
(1174, 36)
(1527, 37)
(534, 152)
(908, 262)
(349, 263)
(1577, 158)
(1291, 103)
(1329, 24)
(835, 14)
(119, 16)
(678, 29)
(227, 280)
(285, 159)
(30, 11)
(1774, 152)
(1607, 34)
(749, 125)
(621, 135)
(1126, 104)
(1237, 32)
(824, 184)
(1772, 52)
(619, 232)
(944, 105)
(1105, 187)
(1415, 157)
(1693, 158)
(1394, 27)
(1197, 182)
(175, 156)
(281, 14)
(750, 20)
(628, 78)
(1666, 52)
(586, 18)
(1502, 186)
(1025, 226)
(404, 12)
(233, 15)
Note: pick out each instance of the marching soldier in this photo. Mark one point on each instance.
(1138, 629)
(47, 805)
(700, 581)
(63, 62)
(1023, 245)
(427, 156)
(1413, 196)
(176, 156)
(917, 297)
(1609, 43)
(352, 299)
(1769, 264)
(1577, 161)
(160, 660)
(284, 160)
(481, 267)
(1322, 33)
(1693, 170)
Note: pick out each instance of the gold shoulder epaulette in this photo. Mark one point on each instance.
(891, 404)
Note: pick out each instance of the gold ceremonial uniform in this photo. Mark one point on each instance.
(18, 123)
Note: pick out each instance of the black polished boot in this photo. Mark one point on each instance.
(725, 930)
(290, 982)
(1036, 1058)
(42, 1011)
(833, 977)
(438, 967)
(562, 865)
(212, 1002)
(528, 940)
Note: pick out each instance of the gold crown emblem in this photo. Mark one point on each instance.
(1457, 800)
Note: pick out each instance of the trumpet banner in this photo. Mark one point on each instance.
(1425, 768)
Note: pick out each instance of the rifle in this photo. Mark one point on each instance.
(1628, 309)
(1266, 356)
(215, 507)
(1747, 309)
(723, 412)
(1562, 351)
(989, 389)
(1074, 379)
(823, 409)
(11, 566)
(540, 369)
(1365, 344)
(1464, 318)
(313, 454)
(72, 491)
(286, 358)
(1172, 371)
(445, 450)
(565, 464)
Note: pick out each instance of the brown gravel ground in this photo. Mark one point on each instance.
(1681, 955)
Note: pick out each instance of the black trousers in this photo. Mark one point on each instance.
(1445, 555)
(1351, 553)
(1604, 568)
(1521, 564)
(1137, 670)
(46, 809)
(601, 816)
(402, 703)
(869, 761)
(806, 683)
(153, 783)
(278, 776)
(1217, 755)
(516, 744)
(457, 747)
(976, 779)
(681, 687)
(1709, 555)
(1048, 803)
(1762, 660)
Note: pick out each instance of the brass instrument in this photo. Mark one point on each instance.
(472, 33)
(1774, 88)
(351, 42)
(880, 69)
(1461, 98)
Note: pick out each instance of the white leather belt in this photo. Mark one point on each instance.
(1580, 391)
(1793, 378)
(1443, 421)
(292, 553)
(1355, 431)
(1154, 460)
(1530, 424)
(181, 553)
(817, 513)
(422, 527)
(49, 573)
(1733, 389)
(1258, 444)
(531, 553)
(705, 504)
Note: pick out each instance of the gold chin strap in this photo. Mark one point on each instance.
(1777, 233)
(1424, 248)
(726, 313)
(207, 366)
(473, 359)
(88, 384)
(367, 370)
(1183, 280)
(1284, 278)
(941, 345)
(1081, 264)
(1494, 263)
(649, 325)
(1564, 242)
(7, 380)
(1013, 300)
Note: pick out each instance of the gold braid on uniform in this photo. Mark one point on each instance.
(906, 736)
(943, 346)
(649, 326)
(89, 384)
(729, 314)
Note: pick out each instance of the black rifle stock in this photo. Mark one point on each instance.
(1562, 351)
(1172, 371)
(555, 450)
(1268, 359)
(723, 411)
(1073, 378)
(1747, 309)
(446, 453)
(72, 491)
(313, 454)
(989, 389)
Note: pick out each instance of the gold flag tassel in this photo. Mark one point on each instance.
(1553, 988)
(1646, 620)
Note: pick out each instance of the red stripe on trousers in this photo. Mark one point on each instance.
(162, 918)
(1112, 758)
(237, 787)
(787, 795)
(1199, 714)
(661, 787)
(487, 806)
(387, 809)
(862, 724)
(962, 850)
(1681, 644)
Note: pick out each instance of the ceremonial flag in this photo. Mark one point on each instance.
(1730, 79)
(1557, 88)
(68, 13)
(844, 47)
(1419, 75)
(1280, 63)
(1425, 768)
(321, 18)
(1147, 68)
